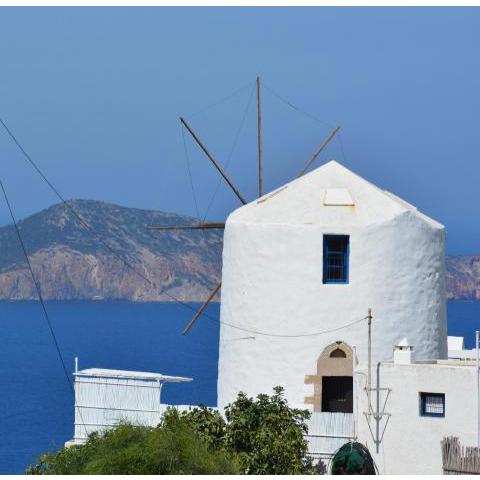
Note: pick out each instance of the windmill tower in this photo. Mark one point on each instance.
(310, 258)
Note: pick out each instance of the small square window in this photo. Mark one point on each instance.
(335, 258)
(432, 404)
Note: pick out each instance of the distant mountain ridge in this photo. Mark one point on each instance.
(70, 263)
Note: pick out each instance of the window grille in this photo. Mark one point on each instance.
(432, 404)
(335, 258)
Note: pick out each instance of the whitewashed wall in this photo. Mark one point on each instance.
(411, 443)
(327, 432)
(104, 402)
(272, 282)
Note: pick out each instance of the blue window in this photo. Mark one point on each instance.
(335, 258)
(432, 404)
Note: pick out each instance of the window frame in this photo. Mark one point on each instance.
(422, 400)
(346, 256)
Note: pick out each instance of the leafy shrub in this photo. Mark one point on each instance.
(268, 434)
(174, 447)
(208, 423)
(259, 436)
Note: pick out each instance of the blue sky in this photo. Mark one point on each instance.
(94, 95)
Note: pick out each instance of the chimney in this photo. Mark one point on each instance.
(403, 353)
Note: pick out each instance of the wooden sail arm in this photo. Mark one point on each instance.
(201, 309)
(200, 226)
(215, 164)
(317, 153)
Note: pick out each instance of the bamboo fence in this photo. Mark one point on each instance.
(458, 460)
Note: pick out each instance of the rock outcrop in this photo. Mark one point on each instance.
(463, 277)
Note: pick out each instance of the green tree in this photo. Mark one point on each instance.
(207, 422)
(174, 447)
(257, 436)
(268, 434)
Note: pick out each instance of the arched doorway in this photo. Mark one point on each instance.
(333, 383)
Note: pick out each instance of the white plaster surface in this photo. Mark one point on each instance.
(272, 282)
(455, 343)
(411, 443)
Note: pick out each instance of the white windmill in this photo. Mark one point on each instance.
(301, 267)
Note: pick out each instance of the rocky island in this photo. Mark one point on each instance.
(72, 263)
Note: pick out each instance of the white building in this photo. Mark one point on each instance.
(313, 256)
(418, 404)
(104, 398)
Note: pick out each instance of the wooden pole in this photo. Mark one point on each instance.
(477, 346)
(200, 226)
(201, 309)
(319, 151)
(260, 160)
(217, 166)
(369, 376)
(377, 416)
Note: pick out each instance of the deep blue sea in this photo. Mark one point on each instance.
(36, 404)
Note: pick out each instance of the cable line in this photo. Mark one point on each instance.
(222, 100)
(342, 149)
(189, 171)
(230, 155)
(40, 298)
(309, 115)
(296, 108)
(314, 334)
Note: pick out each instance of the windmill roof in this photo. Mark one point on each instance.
(330, 195)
